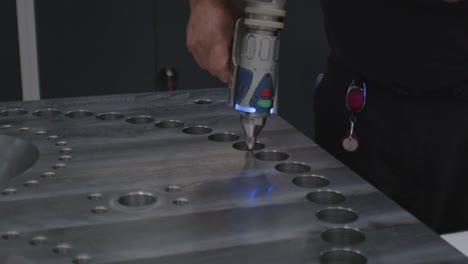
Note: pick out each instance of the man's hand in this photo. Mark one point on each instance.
(210, 32)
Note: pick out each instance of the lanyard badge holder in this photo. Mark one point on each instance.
(355, 102)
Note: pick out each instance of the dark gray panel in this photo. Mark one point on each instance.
(304, 54)
(89, 47)
(10, 76)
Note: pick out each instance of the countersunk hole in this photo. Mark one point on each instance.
(9, 191)
(325, 197)
(311, 181)
(341, 236)
(38, 241)
(94, 196)
(140, 120)
(292, 167)
(169, 124)
(59, 166)
(202, 101)
(82, 259)
(224, 137)
(197, 130)
(13, 112)
(271, 156)
(242, 146)
(6, 126)
(48, 175)
(31, 183)
(61, 143)
(53, 137)
(40, 133)
(341, 256)
(10, 235)
(62, 249)
(99, 210)
(24, 129)
(65, 157)
(172, 188)
(79, 114)
(180, 201)
(337, 215)
(110, 116)
(137, 199)
(46, 112)
(65, 150)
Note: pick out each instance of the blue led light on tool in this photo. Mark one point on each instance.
(246, 109)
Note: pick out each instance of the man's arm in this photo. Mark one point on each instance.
(209, 34)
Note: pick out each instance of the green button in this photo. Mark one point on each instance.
(264, 103)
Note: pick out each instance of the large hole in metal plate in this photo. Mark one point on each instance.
(325, 197)
(13, 112)
(342, 256)
(337, 215)
(137, 199)
(342, 236)
(16, 156)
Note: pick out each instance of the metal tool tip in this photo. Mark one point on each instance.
(250, 143)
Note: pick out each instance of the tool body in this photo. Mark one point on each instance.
(254, 82)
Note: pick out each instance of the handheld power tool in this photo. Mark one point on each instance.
(255, 55)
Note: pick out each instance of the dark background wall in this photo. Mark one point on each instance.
(10, 76)
(89, 47)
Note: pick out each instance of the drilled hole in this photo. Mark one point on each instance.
(40, 133)
(272, 156)
(224, 137)
(343, 236)
(53, 137)
(38, 241)
(13, 112)
(79, 114)
(110, 116)
(48, 175)
(24, 129)
(169, 124)
(65, 150)
(6, 126)
(172, 188)
(197, 130)
(61, 143)
(292, 167)
(31, 183)
(59, 166)
(9, 191)
(82, 259)
(337, 215)
(62, 249)
(242, 146)
(181, 201)
(137, 120)
(202, 101)
(46, 112)
(94, 196)
(342, 256)
(325, 197)
(311, 181)
(10, 235)
(137, 199)
(65, 157)
(99, 210)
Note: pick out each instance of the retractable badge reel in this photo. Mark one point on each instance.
(355, 101)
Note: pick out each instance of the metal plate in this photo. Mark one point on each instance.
(157, 180)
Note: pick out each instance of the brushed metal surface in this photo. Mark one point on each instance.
(163, 178)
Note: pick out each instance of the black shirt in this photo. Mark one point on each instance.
(419, 45)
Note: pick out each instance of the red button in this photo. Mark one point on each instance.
(265, 93)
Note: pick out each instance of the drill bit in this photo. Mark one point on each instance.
(252, 125)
